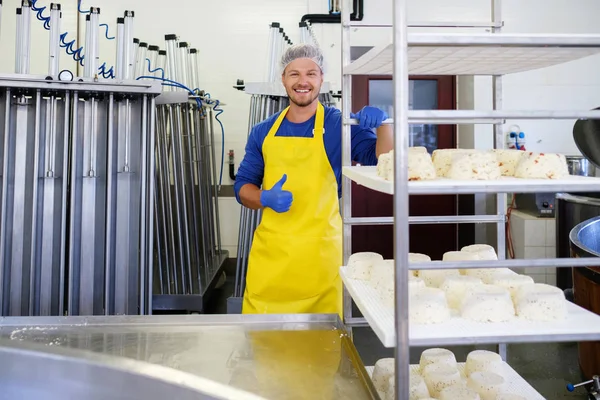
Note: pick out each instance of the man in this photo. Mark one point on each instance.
(293, 266)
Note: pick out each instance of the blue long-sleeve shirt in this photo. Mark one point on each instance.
(251, 169)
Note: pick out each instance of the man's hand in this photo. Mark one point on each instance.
(276, 198)
(370, 117)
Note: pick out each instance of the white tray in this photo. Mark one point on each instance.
(367, 176)
(476, 53)
(514, 383)
(580, 325)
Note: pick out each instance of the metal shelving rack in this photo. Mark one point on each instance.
(398, 59)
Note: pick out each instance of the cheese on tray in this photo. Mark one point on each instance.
(540, 302)
(542, 166)
(440, 376)
(420, 166)
(511, 281)
(487, 275)
(418, 258)
(418, 388)
(474, 166)
(456, 288)
(460, 256)
(428, 306)
(486, 384)
(360, 265)
(436, 356)
(508, 159)
(442, 159)
(457, 392)
(484, 361)
(436, 277)
(487, 303)
(483, 251)
(383, 370)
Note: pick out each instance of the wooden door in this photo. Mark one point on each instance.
(431, 239)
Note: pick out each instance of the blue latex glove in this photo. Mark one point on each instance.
(276, 198)
(370, 117)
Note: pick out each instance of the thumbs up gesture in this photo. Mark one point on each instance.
(276, 198)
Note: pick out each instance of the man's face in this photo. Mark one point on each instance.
(302, 80)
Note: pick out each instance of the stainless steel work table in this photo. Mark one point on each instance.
(273, 356)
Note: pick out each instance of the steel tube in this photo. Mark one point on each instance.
(401, 198)
(109, 276)
(121, 57)
(54, 49)
(128, 50)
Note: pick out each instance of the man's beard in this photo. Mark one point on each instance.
(302, 103)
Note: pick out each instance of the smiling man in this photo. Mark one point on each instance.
(295, 156)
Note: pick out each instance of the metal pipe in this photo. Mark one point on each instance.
(54, 49)
(26, 37)
(346, 152)
(144, 260)
(120, 69)
(3, 204)
(108, 265)
(401, 232)
(151, 59)
(94, 43)
(193, 69)
(161, 62)
(128, 51)
(33, 266)
(140, 59)
(182, 64)
(134, 51)
(151, 200)
(171, 70)
(65, 183)
(87, 48)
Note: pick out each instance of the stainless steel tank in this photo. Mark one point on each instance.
(571, 210)
(34, 371)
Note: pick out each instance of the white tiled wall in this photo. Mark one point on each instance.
(534, 238)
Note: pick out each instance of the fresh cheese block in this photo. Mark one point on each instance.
(510, 396)
(460, 256)
(418, 389)
(486, 384)
(440, 376)
(435, 277)
(487, 274)
(484, 361)
(511, 281)
(428, 306)
(385, 166)
(360, 265)
(436, 356)
(508, 159)
(420, 166)
(418, 258)
(474, 166)
(382, 371)
(415, 283)
(442, 159)
(457, 392)
(456, 288)
(542, 166)
(483, 251)
(540, 302)
(487, 303)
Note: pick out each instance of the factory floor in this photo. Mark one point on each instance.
(548, 367)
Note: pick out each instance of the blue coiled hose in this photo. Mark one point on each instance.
(108, 72)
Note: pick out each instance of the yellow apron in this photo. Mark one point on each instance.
(293, 266)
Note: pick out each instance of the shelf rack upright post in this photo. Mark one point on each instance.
(394, 331)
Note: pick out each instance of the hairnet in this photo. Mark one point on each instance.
(302, 51)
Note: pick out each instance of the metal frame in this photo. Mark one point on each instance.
(401, 220)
